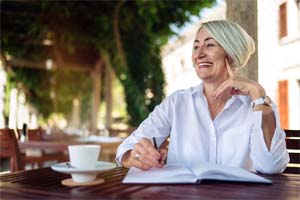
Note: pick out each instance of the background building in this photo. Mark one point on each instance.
(278, 49)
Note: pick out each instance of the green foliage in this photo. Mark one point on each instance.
(34, 83)
(144, 27)
(54, 91)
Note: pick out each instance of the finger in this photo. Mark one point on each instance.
(140, 165)
(145, 156)
(154, 154)
(233, 86)
(136, 162)
(164, 154)
(149, 161)
(235, 92)
(222, 88)
(147, 144)
(231, 72)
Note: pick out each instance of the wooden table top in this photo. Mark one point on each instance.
(61, 145)
(45, 183)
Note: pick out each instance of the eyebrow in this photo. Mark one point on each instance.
(209, 38)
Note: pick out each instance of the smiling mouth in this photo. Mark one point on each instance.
(204, 65)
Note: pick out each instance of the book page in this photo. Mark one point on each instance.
(174, 173)
(226, 173)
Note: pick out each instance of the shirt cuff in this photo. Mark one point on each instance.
(125, 146)
(120, 153)
(264, 160)
(258, 132)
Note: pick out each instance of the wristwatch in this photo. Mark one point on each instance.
(265, 100)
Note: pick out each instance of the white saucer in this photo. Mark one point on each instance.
(66, 168)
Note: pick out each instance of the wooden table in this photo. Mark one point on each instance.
(108, 149)
(45, 183)
(60, 145)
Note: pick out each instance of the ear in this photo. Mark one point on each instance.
(230, 60)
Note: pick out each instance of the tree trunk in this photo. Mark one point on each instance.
(117, 34)
(96, 74)
(108, 95)
(245, 14)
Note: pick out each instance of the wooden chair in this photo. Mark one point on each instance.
(37, 135)
(293, 146)
(32, 134)
(9, 148)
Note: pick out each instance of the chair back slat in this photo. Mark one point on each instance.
(292, 133)
(34, 135)
(31, 134)
(5, 147)
(294, 157)
(293, 145)
(292, 170)
(9, 148)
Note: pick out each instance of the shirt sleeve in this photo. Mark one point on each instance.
(265, 161)
(157, 124)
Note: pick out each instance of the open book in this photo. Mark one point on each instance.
(176, 173)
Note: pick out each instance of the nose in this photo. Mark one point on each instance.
(200, 52)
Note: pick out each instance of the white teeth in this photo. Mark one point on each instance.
(204, 64)
(201, 64)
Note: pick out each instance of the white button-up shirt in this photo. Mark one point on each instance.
(233, 138)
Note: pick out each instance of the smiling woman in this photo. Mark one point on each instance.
(226, 120)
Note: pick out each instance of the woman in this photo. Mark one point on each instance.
(226, 120)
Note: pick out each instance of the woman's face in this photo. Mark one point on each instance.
(209, 58)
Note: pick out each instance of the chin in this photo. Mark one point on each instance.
(203, 76)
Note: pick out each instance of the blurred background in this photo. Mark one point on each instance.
(84, 67)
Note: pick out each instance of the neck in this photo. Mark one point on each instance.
(210, 85)
(208, 90)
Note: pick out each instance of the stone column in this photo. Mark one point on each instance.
(244, 12)
(75, 117)
(109, 77)
(96, 74)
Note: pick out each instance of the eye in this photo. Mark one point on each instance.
(210, 45)
(196, 47)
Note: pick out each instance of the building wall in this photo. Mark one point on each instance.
(279, 58)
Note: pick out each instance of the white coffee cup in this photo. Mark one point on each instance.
(84, 157)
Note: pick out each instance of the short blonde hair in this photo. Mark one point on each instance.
(236, 42)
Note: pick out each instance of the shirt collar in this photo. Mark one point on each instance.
(243, 98)
(234, 98)
(197, 89)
